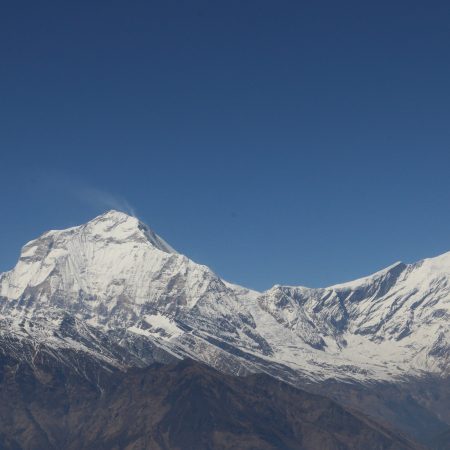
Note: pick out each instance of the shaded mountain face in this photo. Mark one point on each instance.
(114, 293)
(185, 405)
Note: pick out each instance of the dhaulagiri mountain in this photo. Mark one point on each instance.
(90, 315)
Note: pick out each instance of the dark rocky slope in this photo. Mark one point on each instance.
(185, 405)
(420, 408)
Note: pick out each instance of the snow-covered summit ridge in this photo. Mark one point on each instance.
(116, 226)
(88, 258)
(398, 318)
(368, 279)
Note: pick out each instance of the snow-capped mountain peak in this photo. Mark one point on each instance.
(86, 258)
(119, 226)
(115, 273)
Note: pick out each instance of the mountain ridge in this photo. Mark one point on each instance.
(182, 405)
(114, 272)
(115, 291)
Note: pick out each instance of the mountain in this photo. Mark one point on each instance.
(114, 277)
(391, 323)
(113, 293)
(184, 405)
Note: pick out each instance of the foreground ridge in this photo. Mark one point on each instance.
(184, 405)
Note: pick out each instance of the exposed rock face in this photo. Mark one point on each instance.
(114, 292)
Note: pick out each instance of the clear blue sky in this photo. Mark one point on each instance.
(285, 142)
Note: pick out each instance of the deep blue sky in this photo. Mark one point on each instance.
(286, 142)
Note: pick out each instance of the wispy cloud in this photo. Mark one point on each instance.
(101, 199)
(79, 190)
